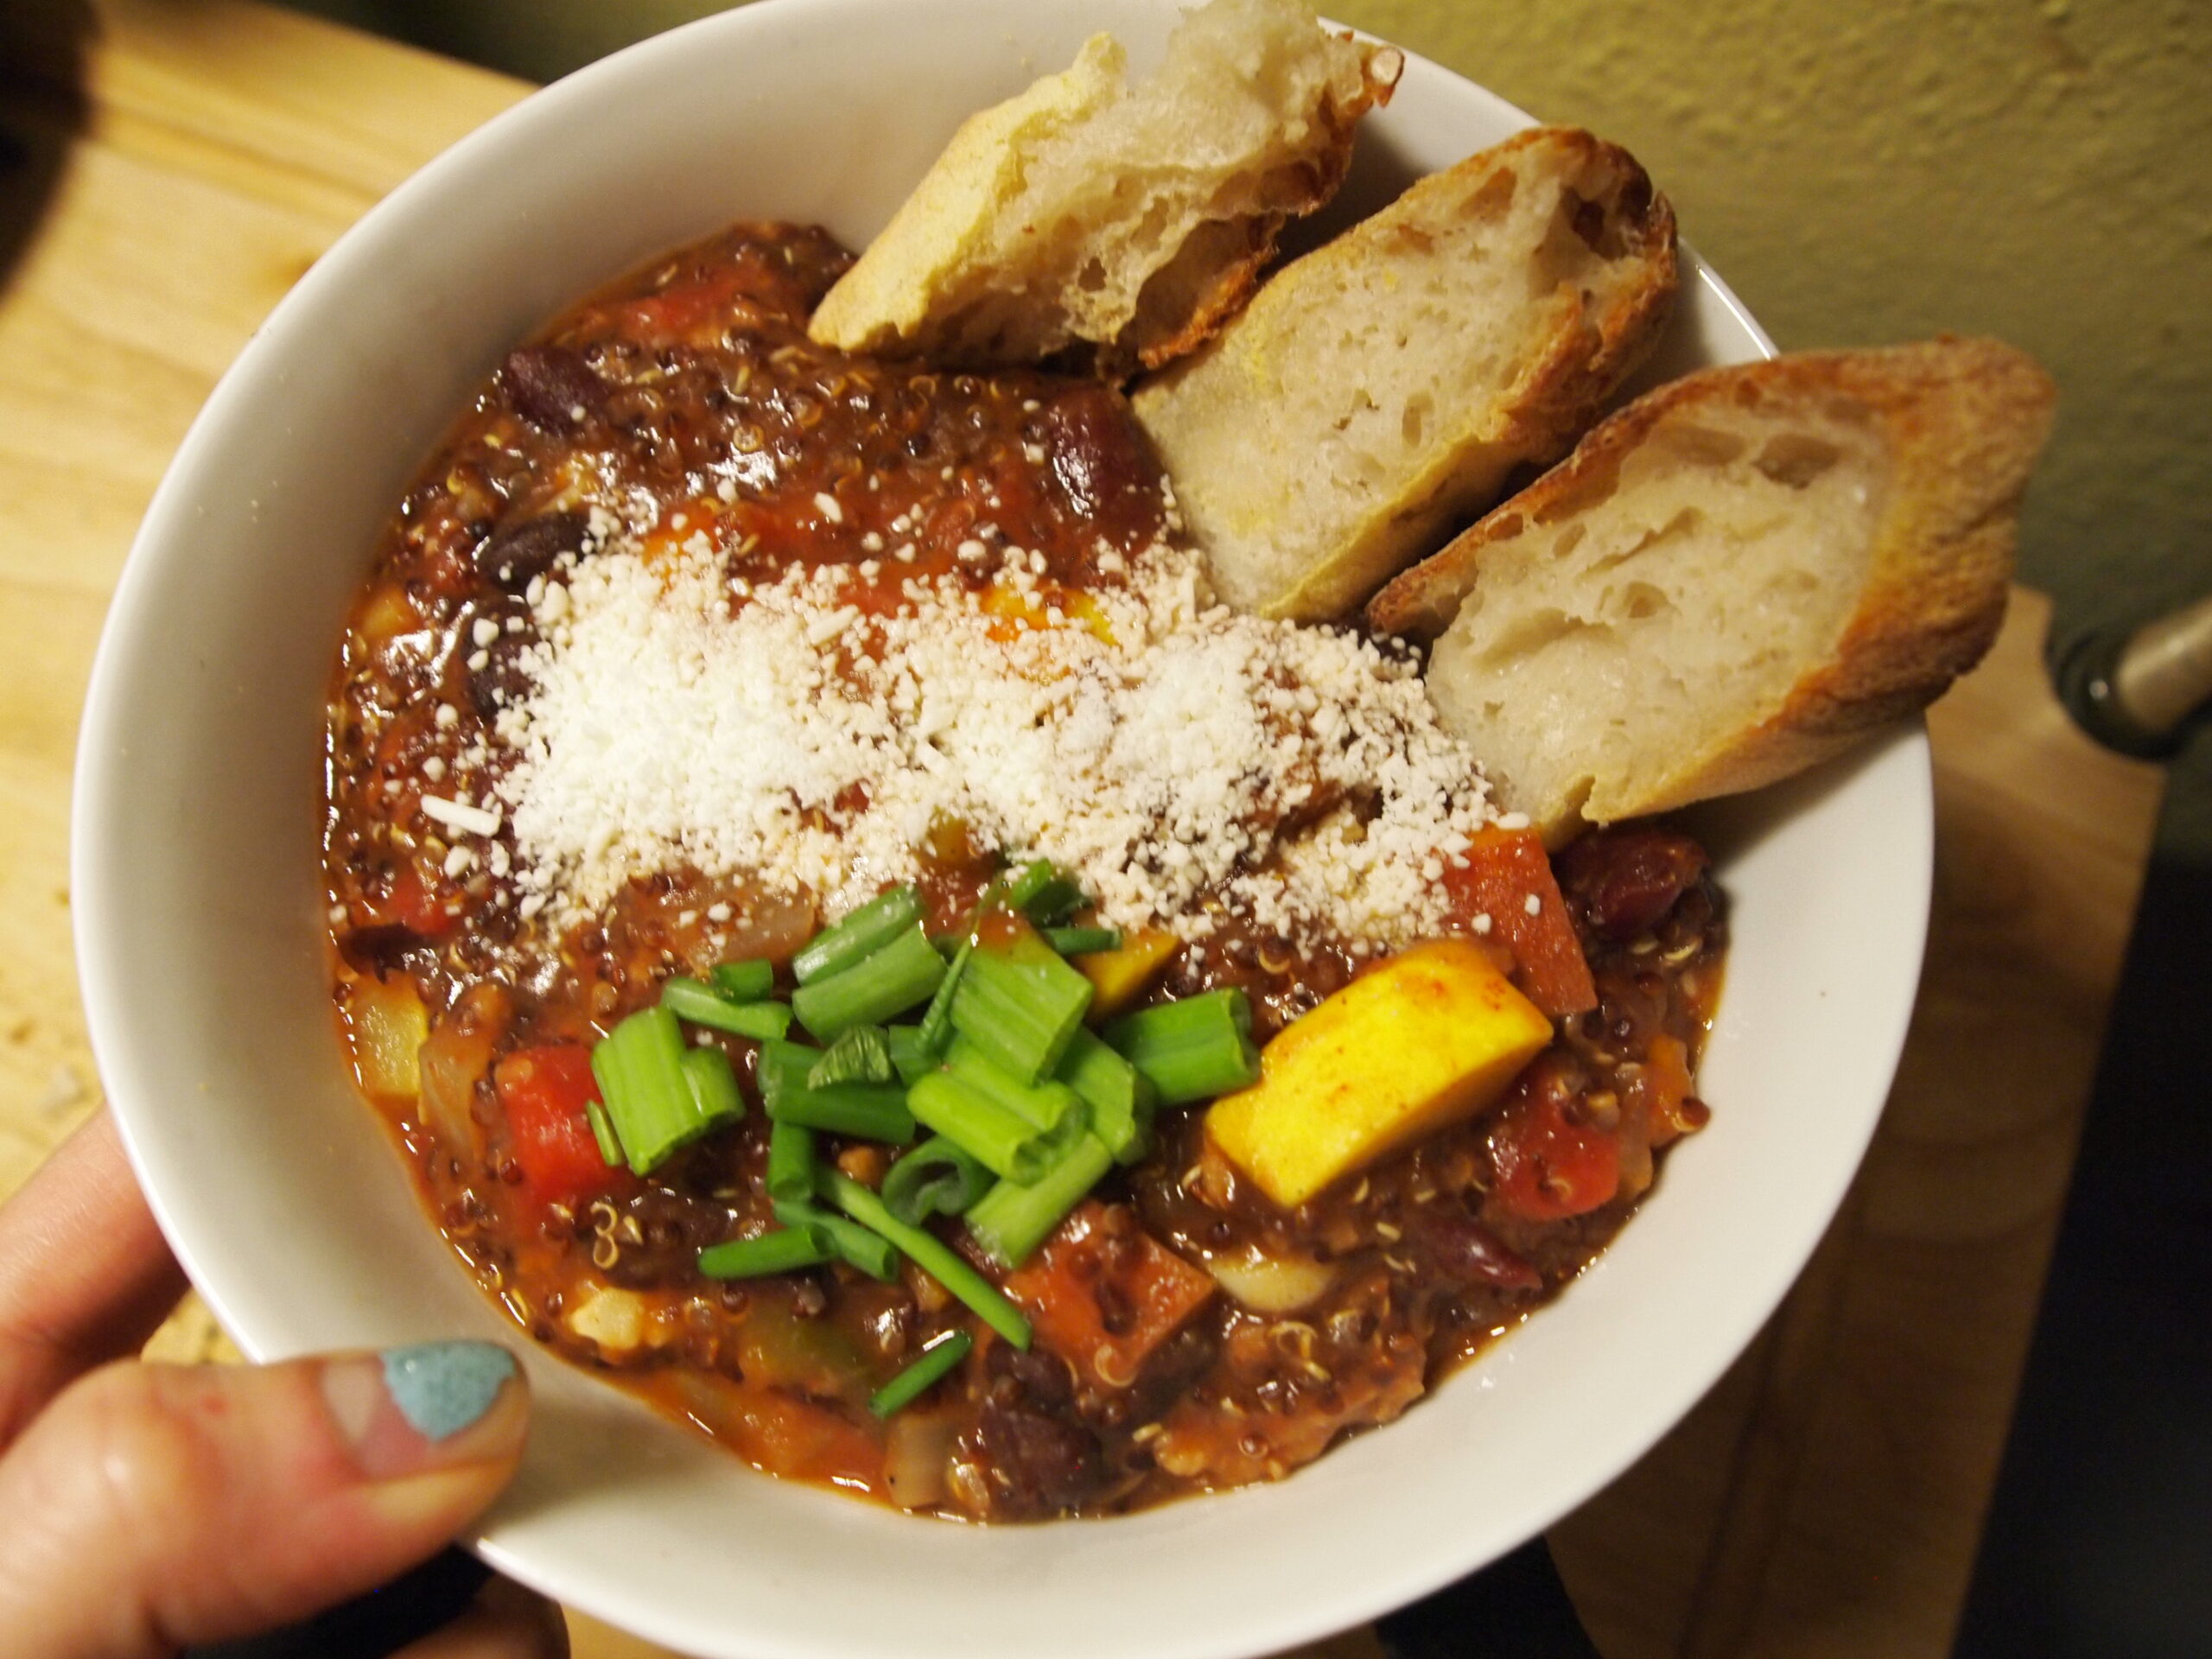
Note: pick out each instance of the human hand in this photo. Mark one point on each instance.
(143, 1507)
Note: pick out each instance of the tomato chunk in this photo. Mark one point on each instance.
(1505, 870)
(1103, 1294)
(1548, 1166)
(544, 1092)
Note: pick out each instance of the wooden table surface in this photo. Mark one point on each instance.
(168, 167)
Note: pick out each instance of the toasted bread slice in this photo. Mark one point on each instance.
(1740, 574)
(1387, 383)
(1087, 219)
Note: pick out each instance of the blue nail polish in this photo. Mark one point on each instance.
(442, 1387)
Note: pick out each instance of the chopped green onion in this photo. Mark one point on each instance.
(931, 1254)
(870, 1252)
(861, 1054)
(1021, 1006)
(1012, 1218)
(653, 1111)
(606, 1072)
(937, 1023)
(890, 980)
(873, 926)
(602, 1130)
(714, 1086)
(791, 1161)
(1045, 894)
(776, 1252)
(1119, 1096)
(1193, 1049)
(1081, 941)
(935, 1178)
(745, 982)
(703, 1005)
(934, 1362)
(912, 1057)
(1041, 1104)
(996, 1136)
(873, 1111)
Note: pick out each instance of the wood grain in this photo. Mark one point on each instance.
(184, 160)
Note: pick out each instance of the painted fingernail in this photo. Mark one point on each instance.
(410, 1409)
(444, 1387)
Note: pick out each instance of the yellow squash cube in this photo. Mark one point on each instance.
(1118, 974)
(1432, 1036)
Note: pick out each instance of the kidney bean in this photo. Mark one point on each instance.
(1624, 879)
(553, 388)
(517, 552)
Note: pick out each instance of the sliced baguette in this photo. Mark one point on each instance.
(1387, 383)
(1738, 576)
(1114, 224)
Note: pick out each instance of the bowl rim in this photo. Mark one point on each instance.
(102, 788)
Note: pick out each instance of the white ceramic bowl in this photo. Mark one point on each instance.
(198, 930)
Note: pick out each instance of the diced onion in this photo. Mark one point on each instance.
(918, 1451)
(388, 1024)
(616, 1319)
(1272, 1284)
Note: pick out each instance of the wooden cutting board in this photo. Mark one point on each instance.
(170, 169)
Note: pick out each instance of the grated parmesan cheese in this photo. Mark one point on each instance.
(1178, 758)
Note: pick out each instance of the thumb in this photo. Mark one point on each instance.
(153, 1506)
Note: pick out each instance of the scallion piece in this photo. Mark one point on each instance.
(606, 1072)
(1045, 894)
(861, 1054)
(999, 1138)
(931, 1254)
(702, 1006)
(870, 1252)
(903, 971)
(937, 1023)
(934, 1362)
(745, 982)
(777, 1252)
(1081, 941)
(935, 1178)
(791, 1161)
(653, 1112)
(1121, 1097)
(861, 934)
(602, 1130)
(873, 1111)
(1012, 1218)
(1044, 1104)
(1193, 1049)
(1021, 1006)
(714, 1087)
(912, 1057)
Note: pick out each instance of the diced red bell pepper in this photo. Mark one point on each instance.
(1502, 872)
(544, 1092)
(1103, 1294)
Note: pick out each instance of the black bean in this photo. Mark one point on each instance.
(553, 388)
(517, 552)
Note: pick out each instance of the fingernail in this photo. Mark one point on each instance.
(410, 1409)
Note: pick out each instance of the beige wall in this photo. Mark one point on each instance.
(1862, 171)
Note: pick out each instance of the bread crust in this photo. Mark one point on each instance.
(1587, 344)
(1962, 419)
(959, 278)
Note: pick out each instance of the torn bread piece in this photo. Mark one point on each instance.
(1386, 383)
(1741, 573)
(1111, 224)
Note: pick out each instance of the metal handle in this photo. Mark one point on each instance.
(2136, 690)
